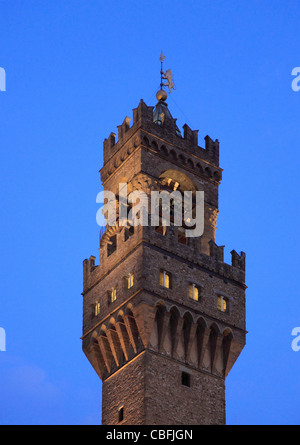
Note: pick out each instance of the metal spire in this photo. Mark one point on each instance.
(161, 58)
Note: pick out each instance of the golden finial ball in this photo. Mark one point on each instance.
(161, 95)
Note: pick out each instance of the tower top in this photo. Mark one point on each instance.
(161, 95)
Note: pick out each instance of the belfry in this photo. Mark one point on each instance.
(163, 314)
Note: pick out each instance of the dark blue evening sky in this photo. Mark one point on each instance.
(74, 70)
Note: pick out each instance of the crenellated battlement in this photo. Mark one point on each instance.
(192, 253)
(189, 135)
(143, 114)
(212, 149)
(163, 126)
(238, 260)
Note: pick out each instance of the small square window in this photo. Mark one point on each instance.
(185, 379)
(165, 279)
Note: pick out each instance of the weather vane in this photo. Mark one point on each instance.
(166, 76)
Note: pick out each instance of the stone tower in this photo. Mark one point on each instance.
(163, 315)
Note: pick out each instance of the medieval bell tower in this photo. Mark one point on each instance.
(163, 315)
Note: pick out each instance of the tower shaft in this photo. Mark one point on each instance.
(163, 314)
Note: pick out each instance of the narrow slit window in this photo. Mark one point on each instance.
(121, 414)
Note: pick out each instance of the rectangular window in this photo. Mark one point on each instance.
(194, 291)
(97, 308)
(129, 281)
(112, 295)
(185, 379)
(165, 279)
(222, 304)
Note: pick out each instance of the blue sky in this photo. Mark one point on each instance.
(74, 70)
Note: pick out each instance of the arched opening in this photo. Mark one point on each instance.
(172, 181)
(226, 344)
(154, 145)
(175, 180)
(212, 343)
(199, 168)
(208, 172)
(146, 141)
(173, 324)
(159, 318)
(217, 176)
(186, 332)
(201, 327)
(173, 155)
(181, 158)
(164, 150)
(190, 163)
